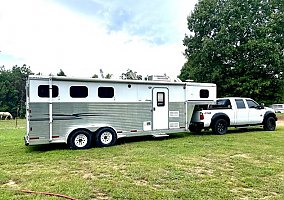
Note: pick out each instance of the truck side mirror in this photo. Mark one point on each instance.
(261, 106)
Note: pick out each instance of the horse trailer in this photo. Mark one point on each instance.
(85, 112)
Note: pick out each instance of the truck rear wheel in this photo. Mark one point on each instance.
(105, 137)
(220, 126)
(80, 139)
(269, 124)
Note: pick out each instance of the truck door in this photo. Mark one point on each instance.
(255, 114)
(160, 108)
(242, 114)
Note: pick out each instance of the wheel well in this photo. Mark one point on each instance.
(75, 130)
(103, 128)
(215, 118)
(269, 114)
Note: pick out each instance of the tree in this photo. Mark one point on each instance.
(131, 75)
(61, 73)
(238, 45)
(95, 76)
(12, 89)
(108, 76)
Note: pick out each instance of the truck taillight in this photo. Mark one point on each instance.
(201, 116)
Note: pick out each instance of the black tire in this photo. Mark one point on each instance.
(269, 124)
(105, 137)
(220, 126)
(80, 139)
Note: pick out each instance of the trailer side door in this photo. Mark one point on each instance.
(160, 108)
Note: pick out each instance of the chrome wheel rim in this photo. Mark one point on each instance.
(106, 137)
(81, 140)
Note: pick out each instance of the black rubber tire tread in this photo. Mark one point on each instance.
(220, 126)
(71, 141)
(98, 134)
(269, 124)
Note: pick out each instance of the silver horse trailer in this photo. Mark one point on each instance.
(85, 112)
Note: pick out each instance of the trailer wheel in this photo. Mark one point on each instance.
(269, 124)
(105, 137)
(80, 139)
(220, 126)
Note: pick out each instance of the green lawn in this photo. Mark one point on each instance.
(238, 165)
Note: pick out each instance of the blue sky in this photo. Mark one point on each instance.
(83, 36)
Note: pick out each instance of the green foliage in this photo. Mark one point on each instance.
(95, 76)
(131, 75)
(61, 73)
(12, 89)
(239, 46)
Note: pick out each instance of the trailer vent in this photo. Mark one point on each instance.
(174, 124)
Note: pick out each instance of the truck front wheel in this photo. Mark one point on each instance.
(220, 126)
(269, 124)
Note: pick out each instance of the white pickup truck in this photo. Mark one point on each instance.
(234, 112)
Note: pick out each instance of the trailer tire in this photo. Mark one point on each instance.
(105, 137)
(269, 124)
(220, 126)
(80, 139)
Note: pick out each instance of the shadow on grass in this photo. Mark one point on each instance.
(137, 139)
(47, 147)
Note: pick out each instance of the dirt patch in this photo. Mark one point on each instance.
(280, 121)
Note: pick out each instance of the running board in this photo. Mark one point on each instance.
(159, 135)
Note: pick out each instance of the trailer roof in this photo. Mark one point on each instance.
(78, 79)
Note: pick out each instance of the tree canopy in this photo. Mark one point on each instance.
(238, 45)
(131, 75)
(61, 73)
(12, 89)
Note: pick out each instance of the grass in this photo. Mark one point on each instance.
(239, 165)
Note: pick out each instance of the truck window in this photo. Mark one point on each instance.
(78, 91)
(224, 103)
(43, 91)
(240, 104)
(106, 92)
(251, 103)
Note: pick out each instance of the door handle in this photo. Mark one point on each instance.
(154, 109)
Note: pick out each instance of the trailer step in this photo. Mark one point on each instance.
(159, 135)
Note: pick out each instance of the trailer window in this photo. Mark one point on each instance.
(160, 99)
(78, 91)
(106, 92)
(204, 93)
(43, 91)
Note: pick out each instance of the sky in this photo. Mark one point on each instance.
(83, 36)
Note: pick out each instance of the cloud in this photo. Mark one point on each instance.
(81, 37)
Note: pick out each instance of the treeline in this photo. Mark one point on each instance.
(239, 45)
(12, 89)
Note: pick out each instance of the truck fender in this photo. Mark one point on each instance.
(219, 116)
(269, 114)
